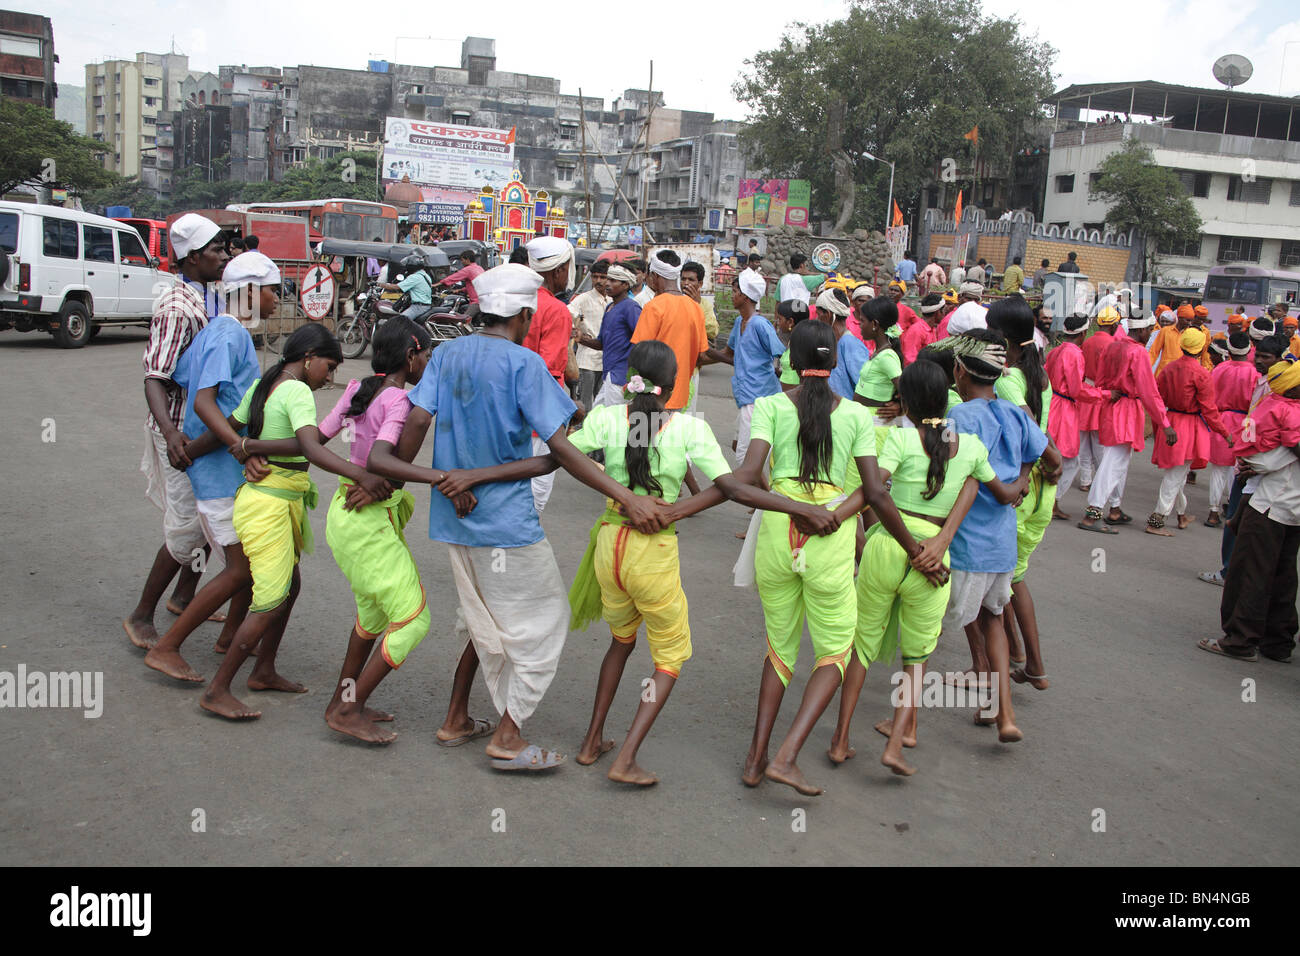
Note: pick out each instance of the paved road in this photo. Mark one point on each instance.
(1138, 723)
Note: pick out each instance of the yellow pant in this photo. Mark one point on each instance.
(1032, 518)
(897, 605)
(640, 580)
(270, 518)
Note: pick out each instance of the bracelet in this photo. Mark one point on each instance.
(243, 446)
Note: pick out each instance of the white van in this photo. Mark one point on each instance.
(70, 273)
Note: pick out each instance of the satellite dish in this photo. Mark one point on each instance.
(1232, 70)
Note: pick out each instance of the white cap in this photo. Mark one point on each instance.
(250, 268)
(508, 289)
(752, 285)
(971, 288)
(967, 316)
(190, 232)
(547, 252)
(1141, 320)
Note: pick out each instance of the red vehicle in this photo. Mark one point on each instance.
(154, 234)
(353, 219)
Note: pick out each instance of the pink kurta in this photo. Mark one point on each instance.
(1188, 394)
(1126, 368)
(1276, 424)
(1233, 381)
(906, 317)
(1093, 347)
(1065, 370)
(916, 338)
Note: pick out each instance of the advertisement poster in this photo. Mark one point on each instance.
(763, 203)
(464, 158)
(440, 213)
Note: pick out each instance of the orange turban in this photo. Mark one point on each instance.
(1290, 322)
(1186, 312)
(1236, 321)
(1201, 312)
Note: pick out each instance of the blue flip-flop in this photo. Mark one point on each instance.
(532, 758)
(481, 729)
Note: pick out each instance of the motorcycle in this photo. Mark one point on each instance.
(448, 317)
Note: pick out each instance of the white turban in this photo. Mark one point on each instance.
(967, 316)
(621, 274)
(1261, 328)
(829, 303)
(864, 291)
(664, 270)
(1141, 320)
(752, 285)
(508, 289)
(548, 252)
(191, 231)
(250, 268)
(971, 288)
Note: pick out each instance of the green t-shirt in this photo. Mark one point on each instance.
(290, 406)
(776, 421)
(1013, 387)
(788, 375)
(903, 456)
(953, 400)
(876, 380)
(608, 428)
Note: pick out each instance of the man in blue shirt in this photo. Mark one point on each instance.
(850, 355)
(752, 349)
(490, 394)
(905, 271)
(615, 339)
(983, 552)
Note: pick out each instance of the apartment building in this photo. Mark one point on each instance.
(27, 58)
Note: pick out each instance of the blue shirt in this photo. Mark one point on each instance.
(615, 337)
(755, 354)
(222, 354)
(488, 396)
(906, 270)
(851, 356)
(986, 539)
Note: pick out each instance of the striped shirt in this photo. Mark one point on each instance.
(178, 315)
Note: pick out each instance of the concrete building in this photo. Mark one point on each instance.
(690, 182)
(123, 100)
(27, 58)
(1237, 155)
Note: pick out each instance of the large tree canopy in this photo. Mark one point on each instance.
(39, 150)
(911, 77)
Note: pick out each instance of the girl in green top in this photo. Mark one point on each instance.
(788, 314)
(271, 509)
(878, 381)
(1025, 383)
(934, 472)
(946, 360)
(629, 577)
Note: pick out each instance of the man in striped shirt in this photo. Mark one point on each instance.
(181, 309)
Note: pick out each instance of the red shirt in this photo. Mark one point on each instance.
(466, 275)
(549, 334)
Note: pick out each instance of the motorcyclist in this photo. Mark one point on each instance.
(418, 284)
(469, 270)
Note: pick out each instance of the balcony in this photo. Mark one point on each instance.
(1181, 140)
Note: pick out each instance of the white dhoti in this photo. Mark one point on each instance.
(1171, 494)
(1089, 456)
(171, 491)
(1069, 468)
(1111, 477)
(608, 393)
(744, 422)
(543, 484)
(514, 607)
(1220, 483)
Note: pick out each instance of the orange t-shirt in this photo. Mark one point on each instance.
(678, 322)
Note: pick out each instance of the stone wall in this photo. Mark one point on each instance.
(863, 254)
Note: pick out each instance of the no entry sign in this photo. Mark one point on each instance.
(317, 292)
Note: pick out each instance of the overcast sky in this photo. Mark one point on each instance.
(697, 53)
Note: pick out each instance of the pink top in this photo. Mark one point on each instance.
(466, 275)
(1275, 423)
(917, 337)
(1234, 384)
(1071, 396)
(382, 420)
(1126, 368)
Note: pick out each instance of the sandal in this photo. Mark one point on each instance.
(532, 758)
(1212, 520)
(1122, 519)
(1213, 646)
(481, 729)
(1021, 676)
(1099, 529)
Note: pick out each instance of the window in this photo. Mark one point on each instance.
(1290, 254)
(1093, 179)
(339, 225)
(130, 249)
(460, 117)
(1295, 193)
(99, 81)
(1235, 290)
(59, 238)
(20, 46)
(148, 80)
(1183, 250)
(99, 243)
(1095, 226)
(150, 121)
(162, 234)
(1065, 184)
(9, 231)
(1239, 249)
(564, 173)
(150, 101)
(1196, 184)
(1241, 191)
(568, 130)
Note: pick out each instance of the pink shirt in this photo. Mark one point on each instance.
(1126, 368)
(381, 421)
(466, 275)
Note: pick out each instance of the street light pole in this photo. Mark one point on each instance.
(889, 203)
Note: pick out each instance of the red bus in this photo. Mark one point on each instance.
(353, 219)
(154, 234)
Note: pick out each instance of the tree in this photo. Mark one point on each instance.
(143, 200)
(1147, 198)
(911, 77)
(42, 151)
(344, 176)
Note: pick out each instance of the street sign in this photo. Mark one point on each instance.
(317, 292)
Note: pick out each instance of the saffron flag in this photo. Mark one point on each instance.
(956, 216)
(510, 138)
(973, 135)
(898, 215)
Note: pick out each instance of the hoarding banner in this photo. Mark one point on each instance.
(435, 212)
(762, 203)
(461, 157)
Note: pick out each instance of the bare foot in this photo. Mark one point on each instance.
(172, 664)
(1009, 733)
(379, 716)
(740, 535)
(1162, 532)
(361, 727)
(1058, 514)
(898, 765)
(886, 727)
(840, 751)
(971, 679)
(178, 607)
(1037, 683)
(588, 755)
(791, 776)
(1184, 521)
(984, 721)
(226, 704)
(275, 682)
(142, 633)
(223, 645)
(752, 775)
(632, 774)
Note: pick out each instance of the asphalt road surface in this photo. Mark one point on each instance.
(1143, 751)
